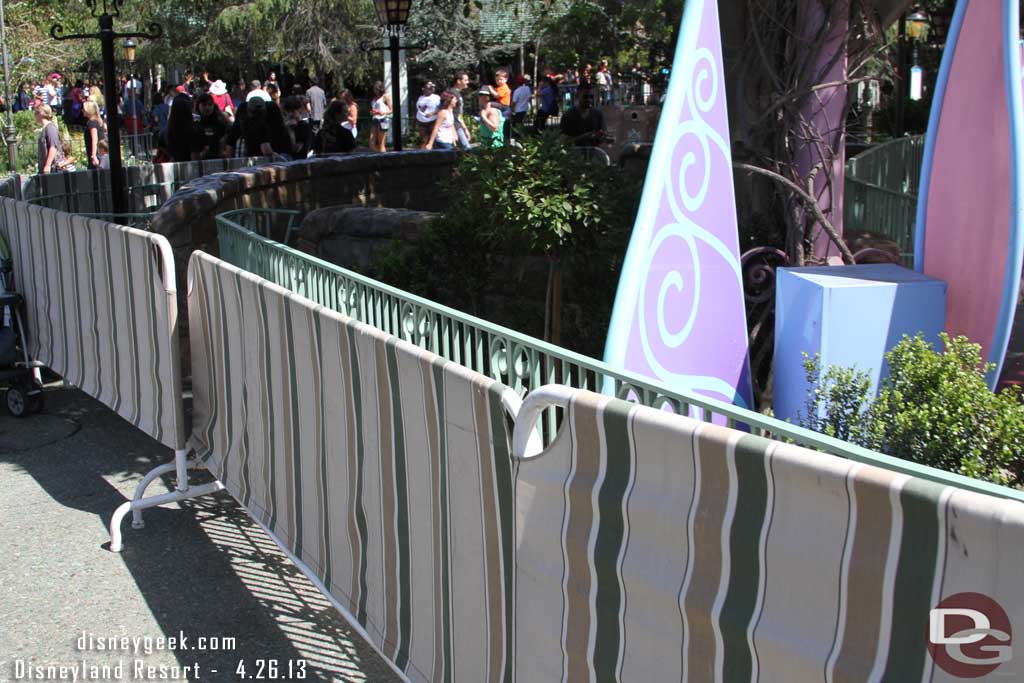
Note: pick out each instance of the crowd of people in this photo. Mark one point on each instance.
(205, 118)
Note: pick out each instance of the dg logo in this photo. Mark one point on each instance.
(969, 635)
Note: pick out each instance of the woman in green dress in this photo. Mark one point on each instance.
(492, 122)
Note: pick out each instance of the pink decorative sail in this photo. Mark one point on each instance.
(969, 227)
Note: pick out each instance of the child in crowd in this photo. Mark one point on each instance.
(68, 163)
(504, 94)
(501, 88)
(104, 153)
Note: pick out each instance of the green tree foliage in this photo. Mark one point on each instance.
(324, 35)
(626, 33)
(34, 53)
(451, 32)
(934, 409)
(514, 214)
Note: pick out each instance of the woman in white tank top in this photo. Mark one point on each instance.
(380, 109)
(443, 134)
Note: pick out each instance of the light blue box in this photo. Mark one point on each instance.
(851, 315)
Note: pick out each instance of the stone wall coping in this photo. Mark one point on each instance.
(204, 195)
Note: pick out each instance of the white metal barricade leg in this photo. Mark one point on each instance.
(138, 503)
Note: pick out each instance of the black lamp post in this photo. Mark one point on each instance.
(105, 11)
(129, 55)
(393, 16)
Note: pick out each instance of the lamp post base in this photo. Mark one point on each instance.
(12, 148)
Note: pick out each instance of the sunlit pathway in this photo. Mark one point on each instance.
(204, 570)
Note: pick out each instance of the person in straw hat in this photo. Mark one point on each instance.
(219, 92)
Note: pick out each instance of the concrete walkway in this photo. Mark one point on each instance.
(201, 569)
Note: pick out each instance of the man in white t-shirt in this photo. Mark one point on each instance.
(51, 92)
(257, 91)
(603, 81)
(426, 110)
(521, 97)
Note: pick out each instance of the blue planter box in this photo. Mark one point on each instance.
(851, 315)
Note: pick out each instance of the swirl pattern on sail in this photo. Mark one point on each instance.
(679, 313)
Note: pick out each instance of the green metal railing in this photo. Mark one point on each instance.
(517, 360)
(143, 198)
(881, 192)
(97, 203)
(142, 221)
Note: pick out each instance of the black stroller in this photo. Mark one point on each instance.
(24, 393)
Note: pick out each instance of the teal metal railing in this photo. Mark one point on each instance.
(517, 360)
(143, 198)
(881, 192)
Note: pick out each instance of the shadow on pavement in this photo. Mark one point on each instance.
(204, 568)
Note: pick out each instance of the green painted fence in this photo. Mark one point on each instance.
(518, 360)
(881, 192)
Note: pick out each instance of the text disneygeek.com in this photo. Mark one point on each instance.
(132, 666)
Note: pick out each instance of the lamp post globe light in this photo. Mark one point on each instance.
(393, 16)
(918, 24)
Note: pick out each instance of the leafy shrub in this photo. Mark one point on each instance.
(519, 217)
(934, 408)
(838, 401)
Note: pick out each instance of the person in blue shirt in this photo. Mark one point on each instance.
(163, 109)
(23, 98)
(548, 103)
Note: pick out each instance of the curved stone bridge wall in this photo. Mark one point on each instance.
(407, 180)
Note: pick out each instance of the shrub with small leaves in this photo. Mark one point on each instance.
(934, 408)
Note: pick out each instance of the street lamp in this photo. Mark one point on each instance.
(393, 16)
(913, 26)
(129, 54)
(918, 24)
(105, 11)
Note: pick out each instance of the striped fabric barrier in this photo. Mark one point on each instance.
(101, 311)
(652, 547)
(150, 184)
(12, 186)
(384, 469)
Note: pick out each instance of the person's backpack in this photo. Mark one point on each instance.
(334, 138)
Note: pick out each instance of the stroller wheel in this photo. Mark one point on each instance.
(17, 401)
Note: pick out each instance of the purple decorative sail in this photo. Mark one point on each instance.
(679, 314)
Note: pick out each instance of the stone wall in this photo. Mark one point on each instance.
(353, 237)
(405, 180)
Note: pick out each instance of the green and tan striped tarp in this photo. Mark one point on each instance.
(150, 185)
(652, 547)
(101, 311)
(383, 468)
